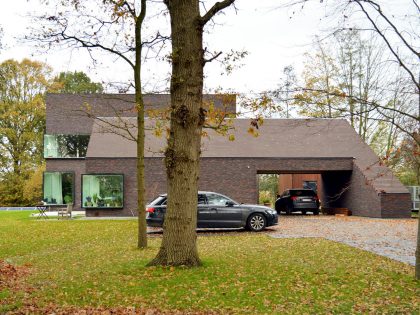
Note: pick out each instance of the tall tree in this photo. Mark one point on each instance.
(114, 27)
(76, 82)
(320, 77)
(22, 121)
(182, 156)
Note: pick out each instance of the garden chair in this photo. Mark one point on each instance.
(65, 213)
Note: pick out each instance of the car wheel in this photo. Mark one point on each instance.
(316, 212)
(303, 212)
(256, 222)
(289, 209)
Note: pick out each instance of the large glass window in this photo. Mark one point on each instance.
(102, 191)
(58, 188)
(65, 146)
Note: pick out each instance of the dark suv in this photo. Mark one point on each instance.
(217, 211)
(293, 200)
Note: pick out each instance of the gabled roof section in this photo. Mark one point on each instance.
(278, 138)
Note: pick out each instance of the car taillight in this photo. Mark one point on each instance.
(150, 210)
(293, 198)
(316, 197)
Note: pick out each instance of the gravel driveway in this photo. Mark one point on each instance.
(393, 238)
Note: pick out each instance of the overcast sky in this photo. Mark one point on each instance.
(274, 38)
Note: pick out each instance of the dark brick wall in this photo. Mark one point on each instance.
(237, 178)
(396, 205)
(234, 177)
(70, 165)
(66, 113)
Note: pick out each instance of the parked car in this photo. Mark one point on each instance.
(293, 200)
(217, 211)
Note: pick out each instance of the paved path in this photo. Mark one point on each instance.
(393, 238)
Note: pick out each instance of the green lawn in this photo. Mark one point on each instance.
(96, 263)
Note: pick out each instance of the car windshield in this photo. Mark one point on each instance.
(302, 192)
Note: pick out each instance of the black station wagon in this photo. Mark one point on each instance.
(218, 211)
(293, 200)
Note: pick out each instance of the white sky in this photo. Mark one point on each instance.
(272, 38)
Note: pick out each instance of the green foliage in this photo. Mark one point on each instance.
(22, 124)
(74, 83)
(265, 197)
(68, 199)
(32, 187)
(242, 273)
(268, 187)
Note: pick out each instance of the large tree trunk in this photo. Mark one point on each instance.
(183, 152)
(182, 156)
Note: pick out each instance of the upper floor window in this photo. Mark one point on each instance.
(65, 146)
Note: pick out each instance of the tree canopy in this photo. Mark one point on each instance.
(22, 124)
(76, 82)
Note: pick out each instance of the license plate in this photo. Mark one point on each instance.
(306, 199)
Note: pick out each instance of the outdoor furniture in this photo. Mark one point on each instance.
(65, 213)
(42, 209)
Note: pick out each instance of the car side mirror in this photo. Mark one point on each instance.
(229, 204)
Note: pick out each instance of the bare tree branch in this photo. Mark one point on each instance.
(217, 7)
(381, 34)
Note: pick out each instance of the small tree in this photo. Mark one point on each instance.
(88, 25)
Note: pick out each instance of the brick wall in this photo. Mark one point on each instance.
(237, 178)
(66, 113)
(234, 177)
(396, 205)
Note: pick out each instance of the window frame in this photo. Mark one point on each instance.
(101, 174)
(63, 157)
(305, 184)
(217, 194)
(73, 187)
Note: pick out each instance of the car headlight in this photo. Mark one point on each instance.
(271, 211)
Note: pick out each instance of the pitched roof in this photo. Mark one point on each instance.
(278, 138)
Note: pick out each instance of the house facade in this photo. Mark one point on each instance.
(92, 163)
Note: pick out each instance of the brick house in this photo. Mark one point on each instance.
(96, 169)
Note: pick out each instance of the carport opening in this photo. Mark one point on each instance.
(331, 187)
(270, 185)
